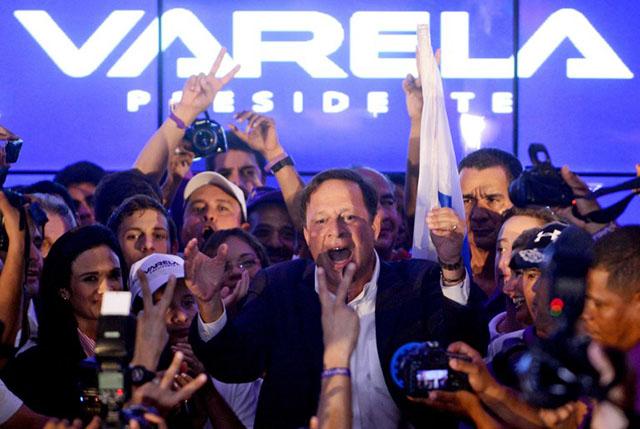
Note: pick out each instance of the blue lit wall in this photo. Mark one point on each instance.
(84, 80)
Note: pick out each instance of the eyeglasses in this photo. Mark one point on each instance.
(242, 264)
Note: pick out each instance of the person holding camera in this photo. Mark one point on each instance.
(12, 276)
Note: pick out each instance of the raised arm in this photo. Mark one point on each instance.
(340, 327)
(197, 95)
(260, 134)
(413, 97)
(12, 276)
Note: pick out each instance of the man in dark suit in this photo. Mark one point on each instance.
(278, 335)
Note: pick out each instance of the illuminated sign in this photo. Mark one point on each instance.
(367, 35)
(101, 74)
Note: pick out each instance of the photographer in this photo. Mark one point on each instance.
(197, 95)
(13, 275)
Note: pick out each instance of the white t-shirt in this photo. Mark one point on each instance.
(242, 398)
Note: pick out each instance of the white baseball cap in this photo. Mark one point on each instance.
(216, 179)
(158, 267)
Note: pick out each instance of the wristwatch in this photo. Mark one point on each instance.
(281, 164)
(140, 375)
(451, 267)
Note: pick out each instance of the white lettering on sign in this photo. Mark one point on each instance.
(599, 59)
(502, 102)
(82, 61)
(377, 102)
(262, 102)
(311, 55)
(369, 38)
(462, 98)
(137, 98)
(334, 101)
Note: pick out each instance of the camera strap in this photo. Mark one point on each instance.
(25, 331)
(612, 212)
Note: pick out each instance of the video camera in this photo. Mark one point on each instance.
(207, 137)
(542, 185)
(419, 368)
(557, 369)
(105, 382)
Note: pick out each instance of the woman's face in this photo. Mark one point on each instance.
(240, 257)
(93, 272)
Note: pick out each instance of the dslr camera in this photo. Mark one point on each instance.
(419, 368)
(105, 382)
(541, 183)
(207, 137)
(16, 199)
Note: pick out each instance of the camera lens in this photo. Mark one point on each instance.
(204, 139)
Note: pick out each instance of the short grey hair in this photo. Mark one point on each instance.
(55, 204)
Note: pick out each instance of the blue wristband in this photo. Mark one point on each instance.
(330, 372)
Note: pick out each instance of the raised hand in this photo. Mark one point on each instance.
(151, 330)
(413, 96)
(5, 134)
(259, 133)
(340, 324)
(480, 379)
(203, 277)
(584, 206)
(180, 161)
(199, 91)
(231, 297)
(447, 233)
(161, 395)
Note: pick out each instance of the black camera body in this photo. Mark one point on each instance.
(12, 150)
(556, 370)
(419, 368)
(207, 137)
(540, 184)
(105, 384)
(17, 200)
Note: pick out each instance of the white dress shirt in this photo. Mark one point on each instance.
(372, 403)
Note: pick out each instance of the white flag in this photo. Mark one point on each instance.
(438, 182)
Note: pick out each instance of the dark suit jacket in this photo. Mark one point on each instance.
(278, 335)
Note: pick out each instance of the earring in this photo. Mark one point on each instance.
(64, 294)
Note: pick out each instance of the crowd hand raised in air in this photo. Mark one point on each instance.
(151, 330)
(200, 90)
(259, 133)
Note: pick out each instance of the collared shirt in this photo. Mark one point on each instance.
(88, 344)
(372, 403)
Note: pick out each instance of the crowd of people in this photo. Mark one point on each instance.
(285, 307)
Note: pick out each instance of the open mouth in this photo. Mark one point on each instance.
(207, 232)
(518, 301)
(339, 254)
